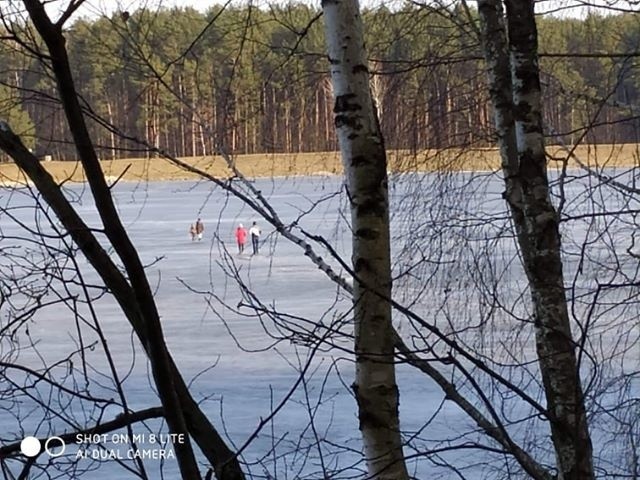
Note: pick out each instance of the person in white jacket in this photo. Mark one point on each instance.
(255, 232)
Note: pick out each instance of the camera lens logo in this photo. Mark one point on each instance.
(31, 447)
(54, 446)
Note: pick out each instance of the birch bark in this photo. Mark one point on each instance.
(365, 165)
(516, 96)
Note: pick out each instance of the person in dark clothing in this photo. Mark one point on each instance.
(199, 229)
(255, 232)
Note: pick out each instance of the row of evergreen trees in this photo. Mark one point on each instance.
(256, 81)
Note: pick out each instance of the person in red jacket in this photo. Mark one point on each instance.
(241, 238)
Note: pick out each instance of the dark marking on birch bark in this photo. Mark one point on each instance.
(367, 419)
(542, 267)
(344, 103)
(360, 264)
(359, 161)
(374, 208)
(342, 120)
(380, 393)
(521, 110)
(532, 171)
(529, 78)
(367, 234)
(534, 127)
(360, 68)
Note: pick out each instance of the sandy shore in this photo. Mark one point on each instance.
(323, 163)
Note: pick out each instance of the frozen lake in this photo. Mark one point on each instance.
(456, 266)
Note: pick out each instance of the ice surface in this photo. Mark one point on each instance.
(253, 369)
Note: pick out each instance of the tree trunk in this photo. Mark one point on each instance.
(365, 164)
(315, 146)
(135, 295)
(274, 120)
(300, 128)
(515, 94)
(182, 131)
(328, 143)
(112, 134)
(202, 139)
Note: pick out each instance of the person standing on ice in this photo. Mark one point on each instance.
(241, 237)
(192, 232)
(199, 229)
(255, 232)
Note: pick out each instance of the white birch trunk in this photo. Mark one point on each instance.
(365, 165)
(515, 92)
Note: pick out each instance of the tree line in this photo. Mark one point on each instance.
(257, 80)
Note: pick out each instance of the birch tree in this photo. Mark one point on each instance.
(515, 93)
(365, 164)
(132, 292)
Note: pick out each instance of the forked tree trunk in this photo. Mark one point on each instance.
(365, 164)
(514, 84)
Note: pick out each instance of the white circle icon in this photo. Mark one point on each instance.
(54, 443)
(30, 446)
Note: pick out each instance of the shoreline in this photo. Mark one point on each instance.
(319, 163)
